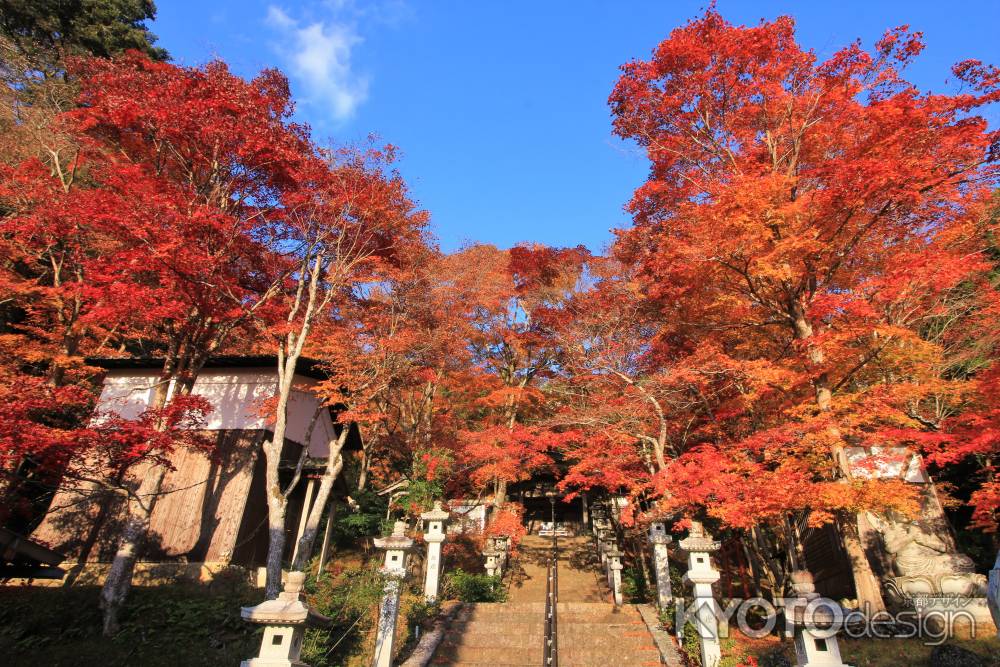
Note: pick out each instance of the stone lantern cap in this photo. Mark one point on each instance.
(698, 541)
(287, 609)
(804, 613)
(398, 540)
(658, 533)
(436, 514)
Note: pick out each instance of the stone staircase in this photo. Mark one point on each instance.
(591, 631)
(591, 634)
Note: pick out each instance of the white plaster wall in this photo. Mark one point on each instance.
(237, 397)
(886, 463)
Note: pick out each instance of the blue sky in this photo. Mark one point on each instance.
(500, 108)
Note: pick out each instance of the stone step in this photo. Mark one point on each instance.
(576, 618)
(609, 645)
(504, 608)
(494, 639)
(495, 625)
(584, 660)
(489, 655)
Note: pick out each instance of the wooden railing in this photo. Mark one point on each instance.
(550, 655)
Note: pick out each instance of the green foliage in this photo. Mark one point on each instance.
(49, 29)
(691, 645)
(349, 595)
(417, 612)
(366, 521)
(469, 587)
(430, 471)
(635, 587)
(734, 655)
(668, 618)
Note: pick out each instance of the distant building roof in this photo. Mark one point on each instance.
(306, 367)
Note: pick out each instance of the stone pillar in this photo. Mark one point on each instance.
(660, 540)
(434, 525)
(608, 548)
(993, 593)
(284, 620)
(605, 538)
(701, 575)
(586, 511)
(394, 569)
(615, 575)
(815, 644)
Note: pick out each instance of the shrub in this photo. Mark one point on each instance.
(469, 587)
(635, 588)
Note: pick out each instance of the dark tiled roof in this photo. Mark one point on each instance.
(306, 366)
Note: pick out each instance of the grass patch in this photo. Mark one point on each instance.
(161, 627)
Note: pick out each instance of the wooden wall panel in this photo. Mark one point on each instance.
(196, 520)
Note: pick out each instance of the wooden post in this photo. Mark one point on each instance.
(306, 505)
(325, 548)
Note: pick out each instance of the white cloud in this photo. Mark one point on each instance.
(318, 55)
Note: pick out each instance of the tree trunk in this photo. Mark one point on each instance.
(866, 584)
(133, 535)
(308, 539)
(500, 497)
(277, 506)
(363, 471)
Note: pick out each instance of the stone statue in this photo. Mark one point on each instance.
(930, 574)
(993, 594)
(916, 550)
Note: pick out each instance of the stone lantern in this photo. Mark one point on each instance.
(993, 593)
(660, 540)
(502, 545)
(284, 620)
(492, 557)
(605, 541)
(395, 546)
(615, 575)
(700, 546)
(812, 616)
(434, 525)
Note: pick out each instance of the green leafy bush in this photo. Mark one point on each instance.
(635, 588)
(469, 587)
(349, 595)
(366, 520)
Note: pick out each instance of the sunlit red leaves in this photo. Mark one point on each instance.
(508, 521)
(502, 453)
(808, 230)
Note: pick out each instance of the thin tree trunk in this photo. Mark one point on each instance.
(277, 506)
(500, 497)
(139, 509)
(363, 472)
(334, 465)
(866, 584)
(119, 580)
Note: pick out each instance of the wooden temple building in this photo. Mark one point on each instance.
(212, 512)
